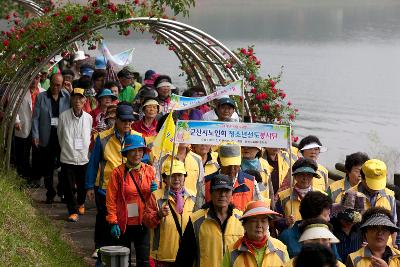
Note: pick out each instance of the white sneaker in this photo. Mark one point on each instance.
(94, 255)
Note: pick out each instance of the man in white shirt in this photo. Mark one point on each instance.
(74, 129)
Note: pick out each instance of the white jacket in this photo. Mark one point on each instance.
(24, 115)
(74, 137)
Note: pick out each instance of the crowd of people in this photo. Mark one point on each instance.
(222, 205)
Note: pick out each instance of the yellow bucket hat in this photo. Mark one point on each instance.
(375, 174)
(177, 167)
(230, 154)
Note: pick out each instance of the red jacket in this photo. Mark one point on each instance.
(116, 197)
(139, 126)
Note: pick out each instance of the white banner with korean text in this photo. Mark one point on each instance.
(246, 134)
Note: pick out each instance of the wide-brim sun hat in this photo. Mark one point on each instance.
(256, 208)
(230, 154)
(322, 149)
(134, 141)
(380, 219)
(375, 174)
(177, 167)
(306, 169)
(318, 231)
(106, 92)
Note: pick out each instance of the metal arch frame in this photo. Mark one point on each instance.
(32, 6)
(192, 45)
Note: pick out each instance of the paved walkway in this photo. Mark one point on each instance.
(80, 234)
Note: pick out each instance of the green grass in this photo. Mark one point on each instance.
(27, 237)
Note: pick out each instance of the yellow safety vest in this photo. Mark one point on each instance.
(212, 243)
(321, 183)
(111, 156)
(362, 257)
(164, 240)
(337, 189)
(275, 255)
(284, 199)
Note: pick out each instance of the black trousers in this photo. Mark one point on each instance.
(22, 155)
(140, 236)
(102, 230)
(49, 155)
(73, 182)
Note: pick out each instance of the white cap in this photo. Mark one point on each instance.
(317, 231)
(314, 145)
(170, 85)
(79, 55)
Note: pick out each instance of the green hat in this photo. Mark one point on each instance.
(306, 169)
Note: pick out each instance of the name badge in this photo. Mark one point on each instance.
(132, 210)
(78, 143)
(54, 122)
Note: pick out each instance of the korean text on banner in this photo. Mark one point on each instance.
(181, 103)
(246, 134)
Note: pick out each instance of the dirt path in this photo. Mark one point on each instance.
(80, 233)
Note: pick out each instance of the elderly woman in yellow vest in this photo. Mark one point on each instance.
(373, 187)
(256, 248)
(310, 147)
(167, 214)
(193, 165)
(353, 166)
(252, 160)
(316, 231)
(212, 229)
(208, 157)
(288, 203)
(279, 163)
(376, 227)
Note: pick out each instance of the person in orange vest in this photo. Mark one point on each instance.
(128, 192)
(256, 248)
(230, 159)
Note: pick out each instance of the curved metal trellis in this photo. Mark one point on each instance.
(204, 59)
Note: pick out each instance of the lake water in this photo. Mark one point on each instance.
(341, 64)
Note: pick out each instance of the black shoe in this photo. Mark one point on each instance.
(49, 200)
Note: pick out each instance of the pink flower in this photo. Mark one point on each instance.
(243, 51)
(289, 103)
(253, 90)
(97, 11)
(291, 117)
(6, 43)
(127, 32)
(94, 4)
(265, 107)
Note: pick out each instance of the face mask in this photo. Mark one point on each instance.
(251, 164)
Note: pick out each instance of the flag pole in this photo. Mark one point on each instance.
(290, 169)
(172, 161)
(243, 109)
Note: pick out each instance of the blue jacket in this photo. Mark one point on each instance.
(41, 125)
(290, 237)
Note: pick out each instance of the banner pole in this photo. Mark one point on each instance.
(243, 96)
(172, 161)
(290, 169)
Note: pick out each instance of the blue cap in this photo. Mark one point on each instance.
(226, 101)
(106, 92)
(86, 72)
(100, 63)
(125, 112)
(148, 74)
(132, 142)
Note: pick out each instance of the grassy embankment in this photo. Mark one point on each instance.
(28, 238)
